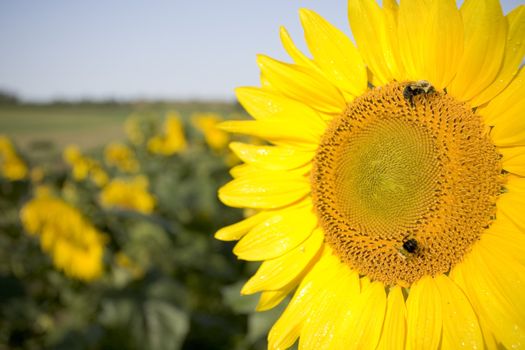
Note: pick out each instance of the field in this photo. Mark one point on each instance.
(108, 244)
(44, 130)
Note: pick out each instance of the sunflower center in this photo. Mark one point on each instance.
(404, 185)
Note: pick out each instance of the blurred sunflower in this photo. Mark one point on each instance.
(172, 140)
(392, 196)
(207, 123)
(128, 193)
(75, 245)
(121, 156)
(12, 167)
(84, 167)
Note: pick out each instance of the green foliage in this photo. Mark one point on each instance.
(167, 283)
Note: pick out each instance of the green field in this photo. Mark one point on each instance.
(43, 130)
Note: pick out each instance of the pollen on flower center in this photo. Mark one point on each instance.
(392, 174)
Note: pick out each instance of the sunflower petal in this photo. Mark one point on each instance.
(460, 323)
(277, 273)
(492, 300)
(262, 104)
(485, 30)
(265, 190)
(394, 329)
(322, 328)
(370, 306)
(393, 56)
(271, 157)
(369, 29)
(512, 59)
(512, 202)
(288, 328)
(277, 235)
(506, 112)
(271, 298)
(275, 131)
(504, 234)
(297, 56)
(500, 106)
(238, 230)
(334, 53)
(302, 84)
(424, 315)
(513, 159)
(433, 53)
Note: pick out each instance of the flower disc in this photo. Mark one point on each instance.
(404, 187)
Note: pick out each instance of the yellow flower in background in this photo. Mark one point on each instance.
(216, 138)
(391, 198)
(133, 130)
(12, 167)
(172, 140)
(130, 194)
(122, 157)
(98, 175)
(84, 167)
(75, 245)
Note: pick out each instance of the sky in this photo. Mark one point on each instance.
(127, 49)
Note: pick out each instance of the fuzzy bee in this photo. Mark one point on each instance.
(409, 248)
(417, 88)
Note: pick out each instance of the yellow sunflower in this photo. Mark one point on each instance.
(391, 198)
(76, 246)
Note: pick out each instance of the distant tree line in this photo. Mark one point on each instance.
(8, 98)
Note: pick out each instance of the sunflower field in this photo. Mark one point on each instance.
(111, 246)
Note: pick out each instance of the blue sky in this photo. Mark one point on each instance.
(146, 49)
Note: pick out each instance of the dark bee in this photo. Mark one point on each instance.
(410, 245)
(417, 88)
(409, 248)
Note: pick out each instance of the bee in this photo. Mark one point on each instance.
(409, 248)
(417, 88)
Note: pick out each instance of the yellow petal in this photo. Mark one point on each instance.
(334, 53)
(370, 306)
(424, 315)
(297, 56)
(322, 328)
(287, 329)
(509, 125)
(394, 329)
(506, 103)
(513, 159)
(370, 33)
(238, 230)
(302, 84)
(410, 40)
(490, 297)
(433, 53)
(271, 157)
(277, 273)
(504, 234)
(264, 191)
(485, 30)
(262, 103)
(512, 59)
(512, 202)
(393, 56)
(243, 170)
(277, 235)
(461, 329)
(294, 134)
(271, 298)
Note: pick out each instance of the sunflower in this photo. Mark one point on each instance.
(391, 193)
(76, 246)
